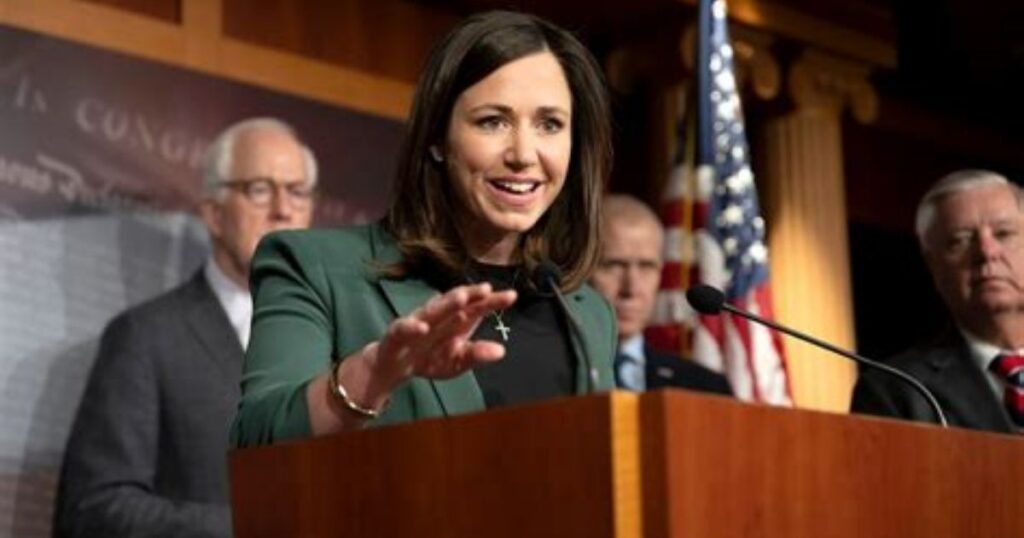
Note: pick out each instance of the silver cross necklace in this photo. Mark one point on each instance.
(500, 326)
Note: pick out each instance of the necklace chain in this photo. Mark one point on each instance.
(499, 315)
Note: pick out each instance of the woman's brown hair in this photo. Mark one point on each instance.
(421, 215)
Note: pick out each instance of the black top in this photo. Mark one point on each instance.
(538, 362)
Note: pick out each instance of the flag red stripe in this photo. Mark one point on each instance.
(672, 214)
(742, 327)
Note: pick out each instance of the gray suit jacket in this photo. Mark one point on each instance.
(147, 452)
(946, 368)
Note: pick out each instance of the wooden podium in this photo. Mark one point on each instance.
(666, 463)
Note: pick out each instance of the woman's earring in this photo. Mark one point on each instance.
(435, 153)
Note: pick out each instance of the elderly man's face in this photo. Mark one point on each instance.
(267, 191)
(629, 272)
(976, 254)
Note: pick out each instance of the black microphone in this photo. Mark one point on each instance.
(711, 301)
(547, 276)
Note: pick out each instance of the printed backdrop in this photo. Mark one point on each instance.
(99, 167)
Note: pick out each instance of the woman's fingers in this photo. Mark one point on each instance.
(443, 306)
(458, 312)
(403, 332)
(498, 300)
(458, 327)
(434, 340)
(483, 351)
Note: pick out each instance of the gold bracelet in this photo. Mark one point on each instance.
(338, 392)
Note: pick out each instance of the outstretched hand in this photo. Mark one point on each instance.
(434, 340)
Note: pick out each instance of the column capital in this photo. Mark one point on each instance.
(754, 62)
(669, 58)
(822, 83)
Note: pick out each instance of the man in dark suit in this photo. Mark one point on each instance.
(628, 276)
(970, 227)
(147, 452)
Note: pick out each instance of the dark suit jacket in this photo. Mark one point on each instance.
(946, 368)
(664, 370)
(147, 452)
(319, 295)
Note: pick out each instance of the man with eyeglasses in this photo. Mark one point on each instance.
(147, 452)
(969, 226)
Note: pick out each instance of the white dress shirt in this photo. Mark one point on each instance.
(236, 300)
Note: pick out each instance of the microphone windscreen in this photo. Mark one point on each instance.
(705, 299)
(547, 274)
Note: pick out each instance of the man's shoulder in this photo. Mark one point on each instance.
(922, 361)
(674, 370)
(934, 353)
(660, 359)
(165, 307)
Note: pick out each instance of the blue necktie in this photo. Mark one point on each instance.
(629, 373)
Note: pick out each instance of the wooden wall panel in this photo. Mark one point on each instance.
(390, 38)
(873, 18)
(166, 10)
(891, 164)
(199, 43)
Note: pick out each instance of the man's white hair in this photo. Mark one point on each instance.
(956, 182)
(218, 160)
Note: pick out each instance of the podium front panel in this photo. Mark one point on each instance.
(719, 468)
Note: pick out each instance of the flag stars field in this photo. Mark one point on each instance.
(722, 220)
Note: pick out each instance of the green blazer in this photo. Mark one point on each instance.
(317, 296)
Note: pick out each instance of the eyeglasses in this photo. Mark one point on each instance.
(261, 191)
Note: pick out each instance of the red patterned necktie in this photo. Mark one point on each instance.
(1010, 369)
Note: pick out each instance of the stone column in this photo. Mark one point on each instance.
(803, 191)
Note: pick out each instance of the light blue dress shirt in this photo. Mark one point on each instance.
(632, 364)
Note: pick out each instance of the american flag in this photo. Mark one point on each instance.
(716, 235)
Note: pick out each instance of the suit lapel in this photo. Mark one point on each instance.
(959, 382)
(580, 347)
(208, 322)
(459, 395)
(404, 296)
(589, 344)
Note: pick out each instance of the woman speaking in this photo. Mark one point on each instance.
(438, 310)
